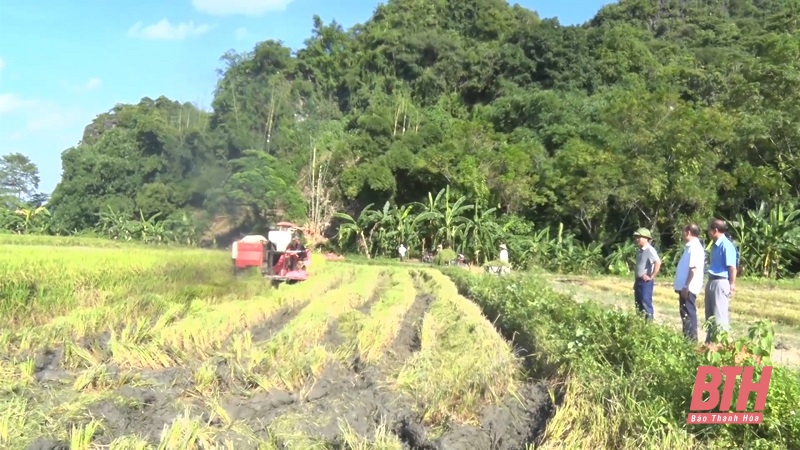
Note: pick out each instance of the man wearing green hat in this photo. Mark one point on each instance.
(648, 263)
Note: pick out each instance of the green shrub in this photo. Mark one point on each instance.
(444, 257)
(642, 374)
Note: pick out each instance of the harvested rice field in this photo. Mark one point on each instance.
(129, 347)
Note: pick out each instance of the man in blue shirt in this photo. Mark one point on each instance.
(721, 278)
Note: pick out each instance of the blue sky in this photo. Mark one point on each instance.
(61, 64)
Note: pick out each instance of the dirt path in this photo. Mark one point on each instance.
(787, 339)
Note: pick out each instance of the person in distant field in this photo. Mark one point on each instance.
(689, 279)
(402, 250)
(648, 264)
(503, 253)
(721, 278)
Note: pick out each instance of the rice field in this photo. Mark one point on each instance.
(130, 347)
(777, 301)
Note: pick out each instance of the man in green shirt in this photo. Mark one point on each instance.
(648, 264)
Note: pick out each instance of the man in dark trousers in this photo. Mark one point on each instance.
(648, 264)
(721, 278)
(689, 279)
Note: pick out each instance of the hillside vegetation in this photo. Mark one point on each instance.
(651, 114)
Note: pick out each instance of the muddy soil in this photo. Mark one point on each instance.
(276, 322)
(138, 410)
(408, 340)
(366, 403)
(359, 395)
(283, 316)
(353, 392)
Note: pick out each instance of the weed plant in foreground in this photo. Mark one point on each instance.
(162, 348)
(627, 384)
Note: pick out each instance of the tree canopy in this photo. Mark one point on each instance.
(651, 114)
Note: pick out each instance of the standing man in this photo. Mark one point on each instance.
(689, 279)
(648, 264)
(721, 278)
(402, 250)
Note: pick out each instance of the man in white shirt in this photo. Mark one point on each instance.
(689, 279)
(503, 253)
(402, 250)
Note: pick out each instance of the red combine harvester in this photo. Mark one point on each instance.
(275, 255)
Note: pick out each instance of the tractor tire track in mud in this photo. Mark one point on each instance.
(270, 327)
(409, 338)
(333, 338)
(275, 323)
(383, 285)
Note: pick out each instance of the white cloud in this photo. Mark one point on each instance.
(165, 31)
(241, 33)
(52, 118)
(93, 83)
(2, 64)
(13, 102)
(240, 7)
(37, 115)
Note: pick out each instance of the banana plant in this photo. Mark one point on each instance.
(31, 218)
(149, 230)
(453, 218)
(115, 225)
(381, 233)
(357, 226)
(480, 235)
(429, 223)
(768, 239)
(404, 224)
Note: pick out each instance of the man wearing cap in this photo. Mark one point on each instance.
(648, 264)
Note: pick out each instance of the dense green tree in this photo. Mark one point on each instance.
(19, 178)
(650, 114)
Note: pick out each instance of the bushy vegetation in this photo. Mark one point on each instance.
(628, 383)
(651, 114)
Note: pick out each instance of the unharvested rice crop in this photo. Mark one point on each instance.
(129, 347)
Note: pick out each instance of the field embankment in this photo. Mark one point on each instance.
(628, 384)
(128, 347)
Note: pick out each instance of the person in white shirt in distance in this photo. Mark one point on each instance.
(689, 279)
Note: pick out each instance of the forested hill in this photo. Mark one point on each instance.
(653, 112)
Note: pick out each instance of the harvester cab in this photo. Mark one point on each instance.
(279, 258)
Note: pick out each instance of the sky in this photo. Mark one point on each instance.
(62, 64)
